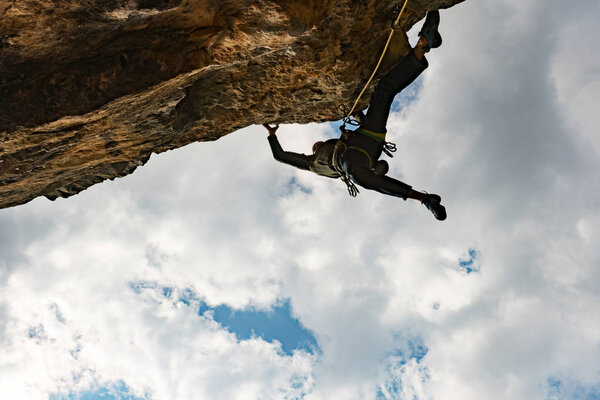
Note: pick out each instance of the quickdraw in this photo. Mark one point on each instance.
(338, 151)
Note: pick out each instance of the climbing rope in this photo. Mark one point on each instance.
(395, 27)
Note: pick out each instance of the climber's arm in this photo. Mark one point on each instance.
(297, 160)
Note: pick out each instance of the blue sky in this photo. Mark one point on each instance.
(573, 390)
(274, 324)
(118, 391)
(469, 263)
(214, 272)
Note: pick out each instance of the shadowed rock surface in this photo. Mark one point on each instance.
(89, 89)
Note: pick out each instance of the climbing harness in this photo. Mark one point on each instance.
(341, 147)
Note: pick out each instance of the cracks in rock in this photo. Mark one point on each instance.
(110, 145)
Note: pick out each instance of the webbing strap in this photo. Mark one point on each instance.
(378, 136)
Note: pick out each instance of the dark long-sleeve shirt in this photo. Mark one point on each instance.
(319, 163)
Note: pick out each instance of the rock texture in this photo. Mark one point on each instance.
(89, 89)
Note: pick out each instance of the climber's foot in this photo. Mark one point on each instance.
(429, 31)
(432, 202)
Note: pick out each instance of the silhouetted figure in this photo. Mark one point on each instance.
(355, 156)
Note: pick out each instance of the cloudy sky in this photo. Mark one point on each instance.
(215, 272)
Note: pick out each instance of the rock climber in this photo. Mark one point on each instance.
(355, 156)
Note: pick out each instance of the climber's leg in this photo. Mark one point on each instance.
(407, 70)
(357, 165)
(402, 75)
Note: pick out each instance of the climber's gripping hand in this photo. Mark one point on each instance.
(271, 129)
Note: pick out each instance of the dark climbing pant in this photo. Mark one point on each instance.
(392, 83)
(355, 161)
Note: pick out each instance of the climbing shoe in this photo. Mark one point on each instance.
(430, 30)
(432, 202)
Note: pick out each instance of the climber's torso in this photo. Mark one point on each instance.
(323, 162)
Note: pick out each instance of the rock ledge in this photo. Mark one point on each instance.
(89, 90)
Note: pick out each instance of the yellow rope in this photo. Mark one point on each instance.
(394, 27)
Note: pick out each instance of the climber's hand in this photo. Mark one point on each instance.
(271, 130)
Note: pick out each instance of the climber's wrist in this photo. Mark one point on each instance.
(271, 130)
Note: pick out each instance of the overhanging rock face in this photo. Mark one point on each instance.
(90, 89)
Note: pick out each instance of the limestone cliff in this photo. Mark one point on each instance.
(89, 89)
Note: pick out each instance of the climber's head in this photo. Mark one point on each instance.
(316, 147)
